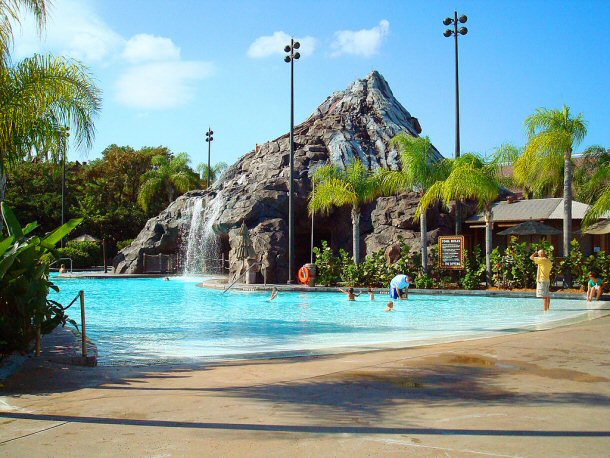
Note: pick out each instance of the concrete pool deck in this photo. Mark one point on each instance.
(536, 394)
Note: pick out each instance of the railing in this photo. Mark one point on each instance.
(63, 259)
(241, 276)
(83, 330)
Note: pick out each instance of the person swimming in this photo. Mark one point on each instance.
(351, 295)
(390, 307)
(371, 293)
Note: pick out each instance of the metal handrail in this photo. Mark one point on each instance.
(63, 259)
(241, 276)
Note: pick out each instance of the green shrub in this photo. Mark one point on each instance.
(424, 281)
(83, 254)
(25, 284)
(474, 269)
(328, 265)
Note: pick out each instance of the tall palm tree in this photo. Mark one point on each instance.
(335, 187)
(553, 134)
(169, 174)
(420, 170)
(10, 13)
(470, 179)
(597, 185)
(503, 157)
(215, 172)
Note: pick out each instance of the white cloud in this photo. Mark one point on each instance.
(365, 42)
(274, 44)
(161, 85)
(74, 30)
(145, 48)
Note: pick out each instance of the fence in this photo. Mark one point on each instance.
(158, 263)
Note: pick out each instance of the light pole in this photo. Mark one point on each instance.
(290, 58)
(209, 139)
(456, 33)
(64, 133)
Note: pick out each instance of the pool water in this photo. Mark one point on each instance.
(150, 320)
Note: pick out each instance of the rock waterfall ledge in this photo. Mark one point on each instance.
(357, 123)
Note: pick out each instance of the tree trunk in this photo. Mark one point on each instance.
(567, 202)
(423, 227)
(356, 234)
(488, 243)
(2, 192)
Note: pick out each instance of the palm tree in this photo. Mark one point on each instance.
(169, 174)
(10, 13)
(552, 135)
(470, 179)
(215, 172)
(336, 187)
(503, 157)
(38, 97)
(420, 170)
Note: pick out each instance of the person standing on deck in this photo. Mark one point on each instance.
(543, 277)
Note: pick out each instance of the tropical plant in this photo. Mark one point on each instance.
(503, 157)
(353, 186)
(24, 283)
(470, 179)
(38, 97)
(594, 179)
(421, 168)
(215, 172)
(552, 136)
(169, 174)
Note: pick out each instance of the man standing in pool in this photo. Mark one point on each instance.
(399, 287)
(543, 277)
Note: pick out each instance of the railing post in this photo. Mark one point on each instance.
(83, 322)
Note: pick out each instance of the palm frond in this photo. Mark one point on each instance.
(433, 196)
(149, 189)
(598, 210)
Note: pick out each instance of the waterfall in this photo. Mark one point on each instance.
(202, 248)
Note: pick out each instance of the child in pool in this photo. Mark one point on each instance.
(351, 296)
(390, 307)
(371, 293)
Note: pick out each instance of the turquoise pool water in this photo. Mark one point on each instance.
(149, 320)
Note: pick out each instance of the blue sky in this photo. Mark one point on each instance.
(169, 69)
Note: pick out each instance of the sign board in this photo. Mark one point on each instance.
(451, 252)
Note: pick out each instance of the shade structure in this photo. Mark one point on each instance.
(244, 249)
(599, 228)
(530, 228)
(85, 238)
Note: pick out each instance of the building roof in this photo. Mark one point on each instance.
(536, 209)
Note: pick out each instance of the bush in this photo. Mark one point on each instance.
(83, 254)
(123, 244)
(475, 270)
(424, 281)
(24, 283)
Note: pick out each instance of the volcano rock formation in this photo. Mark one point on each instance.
(357, 123)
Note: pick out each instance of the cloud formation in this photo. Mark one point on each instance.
(364, 43)
(145, 48)
(269, 45)
(161, 85)
(150, 73)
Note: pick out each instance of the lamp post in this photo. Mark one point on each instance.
(64, 133)
(456, 32)
(209, 139)
(291, 56)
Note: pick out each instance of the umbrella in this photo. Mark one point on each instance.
(530, 228)
(599, 228)
(85, 238)
(244, 249)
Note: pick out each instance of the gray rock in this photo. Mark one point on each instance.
(357, 123)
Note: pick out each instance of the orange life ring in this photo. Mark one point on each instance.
(304, 275)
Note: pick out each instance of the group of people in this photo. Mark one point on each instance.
(399, 289)
(543, 280)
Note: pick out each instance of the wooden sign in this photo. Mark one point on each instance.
(451, 252)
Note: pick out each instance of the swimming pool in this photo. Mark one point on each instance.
(149, 320)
